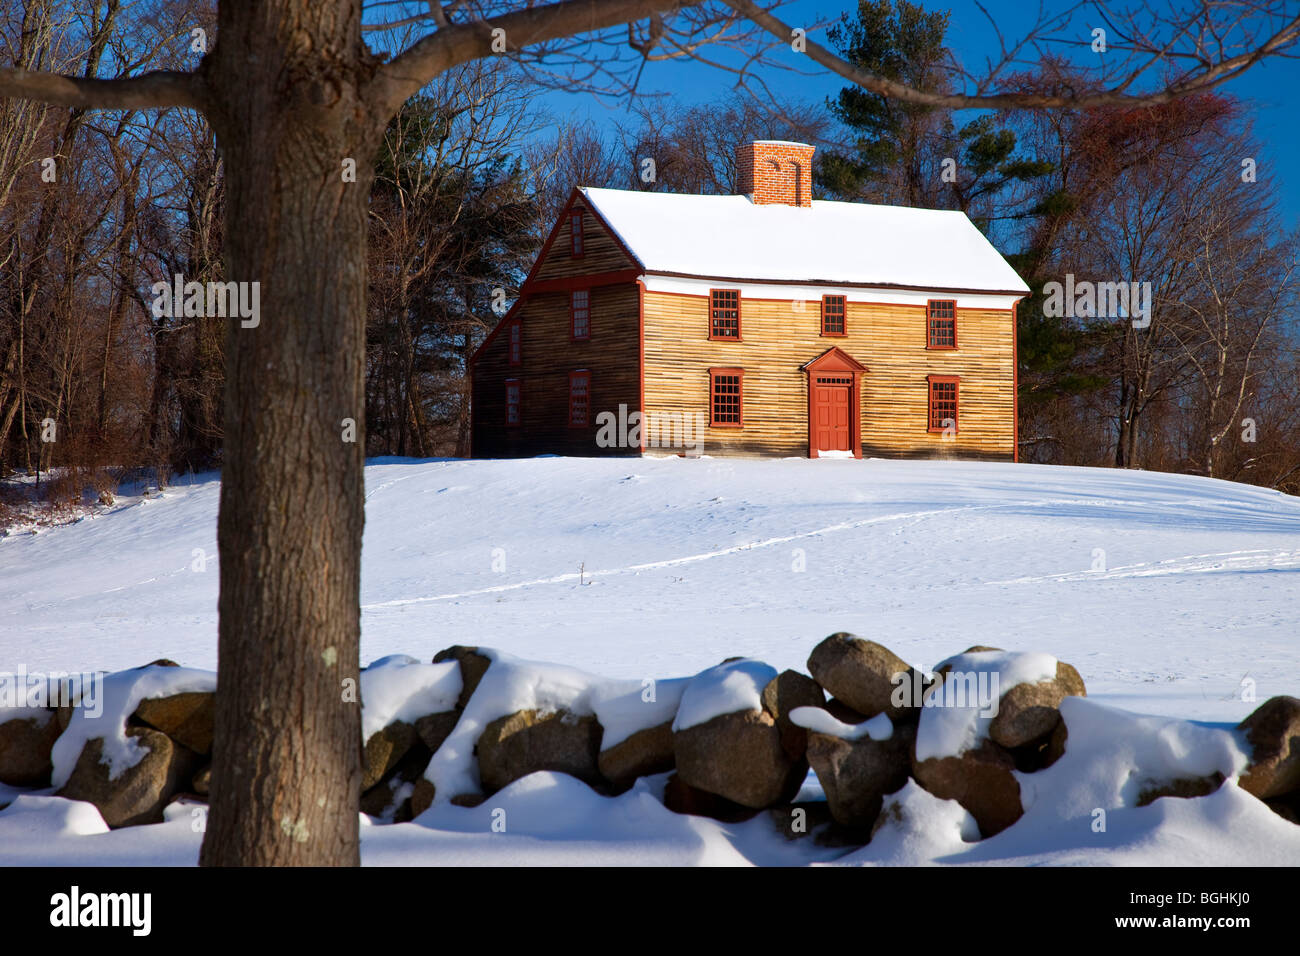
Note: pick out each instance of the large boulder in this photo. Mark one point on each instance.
(646, 752)
(390, 801)
(400, 742)
(981, 779)
(391, 798)
(1028, 713)
(1272, 735)
(784, 693)
(139, 793)
(1042, 754)
(185, 718)
(433, 729)
(862, 674)
(529, 740)
(473, 666)
(739, 756)
(422, 796)
(857, 774)
(384, 749)
(25, 745)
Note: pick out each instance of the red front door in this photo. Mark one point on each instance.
(833, 402)
(831, 419)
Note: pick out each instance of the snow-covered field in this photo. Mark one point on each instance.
(1172, 596)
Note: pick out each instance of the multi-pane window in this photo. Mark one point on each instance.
(516, 342)
(943, 402)
(724, 314)
(580, 314)
(575, 233)
(832, 315)
(512, 401)
(726, 397)
(942, 324)
(579, 399)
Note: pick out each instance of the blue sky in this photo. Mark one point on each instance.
(1269, 89)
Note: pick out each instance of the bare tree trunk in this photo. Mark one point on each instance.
(22, 389)
(463, 414)
(121, 302)
(286, 758)
(9, 410)
(1131, 453)
(1121, 437)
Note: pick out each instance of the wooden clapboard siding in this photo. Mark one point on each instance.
(610, 355)
(603, 253)
(671, 368)
(778, 338)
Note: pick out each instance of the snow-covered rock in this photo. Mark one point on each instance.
(727, 743)
(862, 674)
(140, 792)
(26, 740)
(961, 706)
(981, 778)
(858, 770)
(531, 741)
(101, 712)
(1272, 735)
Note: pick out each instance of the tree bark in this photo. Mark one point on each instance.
(286, 759)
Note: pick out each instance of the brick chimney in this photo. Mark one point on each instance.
(775, 172)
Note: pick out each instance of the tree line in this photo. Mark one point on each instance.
(1172, 200)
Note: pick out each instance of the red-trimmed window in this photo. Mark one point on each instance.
(726, 397)
(833, 315)
(942, 324)
(516, 342)
(579, 399)
(579, 314)
(513, 410)
(575, 234)
(724, 313)
(943, 402)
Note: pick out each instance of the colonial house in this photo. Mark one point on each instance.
(765, 323)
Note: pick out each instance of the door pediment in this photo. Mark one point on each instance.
(835, 359)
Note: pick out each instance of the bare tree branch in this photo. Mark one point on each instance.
(453, 43)
(149, 91)
(404, 76)
(1212, 73)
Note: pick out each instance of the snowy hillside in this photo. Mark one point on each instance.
(665, 566)
(1169, 594)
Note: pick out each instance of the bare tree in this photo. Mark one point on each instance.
(452, 219)
(294, 96)
(694, 150)
(1244, 287)
(578, 154)
(69, 192)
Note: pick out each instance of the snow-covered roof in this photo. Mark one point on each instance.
(837, 242)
